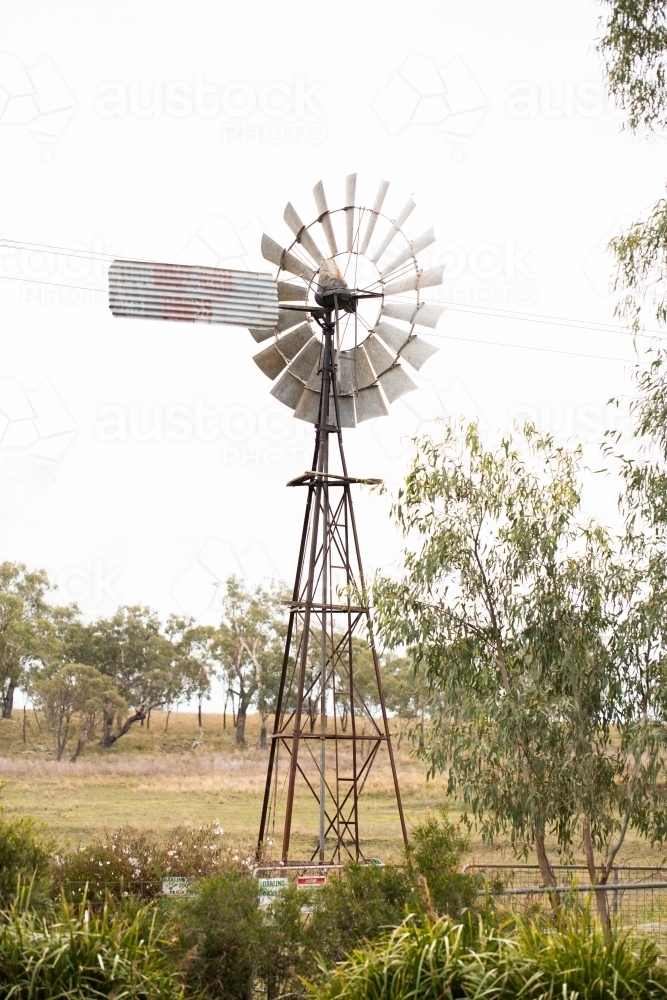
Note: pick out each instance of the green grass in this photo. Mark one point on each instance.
(156, 779)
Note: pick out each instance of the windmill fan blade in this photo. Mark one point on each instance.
(417, 352)
(350, 194)
(302, 234)
(291, 343)
(260, 334)
(379, 356)
(270, 361)
(345, 411)
(410, 282)
(413, 248)
(407, 209)
(288, 389)
(348, 417)
(321, 202)
(287, 318)
(306, 360)
(355, 363)
(287, 292)
(423, 314)
(308, 407)
(276, 254)
(375, 211)
(392, 335)
(431, 276)
(395, 383)
(370, 404)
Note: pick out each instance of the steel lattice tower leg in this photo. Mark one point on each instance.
(324, 726)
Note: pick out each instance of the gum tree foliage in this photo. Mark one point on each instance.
(133, 651)
(74, 700)
(24, 626)
(634, 49)
(542, 646)
(249, 646)
(194, 645)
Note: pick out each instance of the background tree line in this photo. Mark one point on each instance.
(95, 680)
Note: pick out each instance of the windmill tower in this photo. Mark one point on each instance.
(338, 321)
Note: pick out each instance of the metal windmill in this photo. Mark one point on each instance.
(335, 353)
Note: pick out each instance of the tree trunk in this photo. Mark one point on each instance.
(240, 722)
(601, 901)
(25, 722)
(109, 738)
(166, 725)
(148, 719)
(199, 710)
(262, 732)
(8, 700)
(546, 871)
(80, 744)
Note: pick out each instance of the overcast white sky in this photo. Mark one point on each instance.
(177, 131)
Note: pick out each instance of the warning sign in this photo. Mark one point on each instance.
(173, 885)
(269, 889)
(310, 881)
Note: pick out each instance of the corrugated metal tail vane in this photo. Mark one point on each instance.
(192, 294)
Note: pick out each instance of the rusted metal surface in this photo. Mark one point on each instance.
(192, 294)
(320, 651)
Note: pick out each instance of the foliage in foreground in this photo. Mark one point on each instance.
(130, 862)
(433, 959)
(226, 943)
(24, 859)
(82, 956)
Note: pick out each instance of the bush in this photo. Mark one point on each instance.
(24, 859)
(434, 960)
(82, 957)
(359, 905)
(436, 852)
(218, 933)
(130, 862)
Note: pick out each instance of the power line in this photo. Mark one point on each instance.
(542, 318)
(527, 347)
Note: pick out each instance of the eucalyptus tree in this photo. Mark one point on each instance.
(524, 620)
(24, 626)
(194, 650)
(633, 45)
(73, 700)
(248, 644)
(132, 650)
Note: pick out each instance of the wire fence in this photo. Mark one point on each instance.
(636, 894)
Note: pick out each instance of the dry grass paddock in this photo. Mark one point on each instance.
(157, 779)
